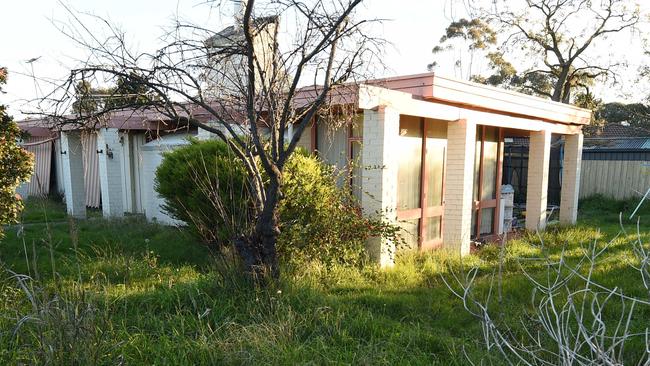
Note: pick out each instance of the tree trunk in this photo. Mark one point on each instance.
(558, 89)
(258, 251)
(566, 96)
(267, 231)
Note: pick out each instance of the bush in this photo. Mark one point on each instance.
(318, 220)
(16, 165)
(203, 185)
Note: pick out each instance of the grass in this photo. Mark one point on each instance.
(132, 292)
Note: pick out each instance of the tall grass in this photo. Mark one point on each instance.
(131, 292)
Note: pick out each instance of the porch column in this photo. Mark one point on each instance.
(110, 171)
(570, 179)
(537, 188)
(73, 174)
(459, 183)
(379, 181)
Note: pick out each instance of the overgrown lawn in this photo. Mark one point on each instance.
(110, 291)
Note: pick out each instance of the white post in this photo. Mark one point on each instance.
(73, 174)
(379, 180)
(110, 171)
(459, 183)
(537, 190)
(127, 178)
(571, 178)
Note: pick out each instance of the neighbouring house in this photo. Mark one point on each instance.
(109, 166)
(616, 161)
(430, 153)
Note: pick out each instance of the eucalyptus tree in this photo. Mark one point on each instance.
(550, 48)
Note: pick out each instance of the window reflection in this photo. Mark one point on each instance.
(410, 163)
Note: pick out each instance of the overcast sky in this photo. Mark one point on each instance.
(27, 29)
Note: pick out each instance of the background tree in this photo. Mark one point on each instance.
(127, 93)
(636, 114)
(15, 164)
(248, 80)
(558, 46)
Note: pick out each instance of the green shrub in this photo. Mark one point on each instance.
(203, 185)
(16, 164)
(601, 203)
(318, 220)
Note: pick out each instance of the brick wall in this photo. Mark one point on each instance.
(379, 181)
(571, 179)
(73, 174)
(459, 181)
(537, 190)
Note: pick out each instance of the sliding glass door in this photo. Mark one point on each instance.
(420, 183)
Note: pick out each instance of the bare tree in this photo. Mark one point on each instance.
(252, 80)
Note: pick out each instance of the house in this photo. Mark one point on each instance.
(616, 161)
(431, 150)
(428, 150)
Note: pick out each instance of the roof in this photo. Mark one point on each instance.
(440, 91)
(615, 130)
(616, 137)
(145, 119)
(465, 94)
(617, 143)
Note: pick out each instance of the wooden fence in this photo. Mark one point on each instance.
(619, 179)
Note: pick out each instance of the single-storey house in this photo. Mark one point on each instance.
(430, 152)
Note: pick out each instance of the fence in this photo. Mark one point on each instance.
(515, 171)
(619, 174)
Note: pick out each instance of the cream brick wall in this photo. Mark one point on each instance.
(110, 172)
(73, 174)
(379, 181)
(571, 178)
(461, 147)
(537, 189)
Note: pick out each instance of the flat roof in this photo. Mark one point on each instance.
(464, 94)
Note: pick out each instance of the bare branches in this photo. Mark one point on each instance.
(568, 38)
(240, 83)
(571, 319)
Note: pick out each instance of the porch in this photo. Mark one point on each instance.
(433, 158)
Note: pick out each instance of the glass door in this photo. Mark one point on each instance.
(487, 180)
(420, 190)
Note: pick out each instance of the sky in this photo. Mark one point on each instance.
(29, 29)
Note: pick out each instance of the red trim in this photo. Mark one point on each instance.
(497, 215)
(424, 180)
